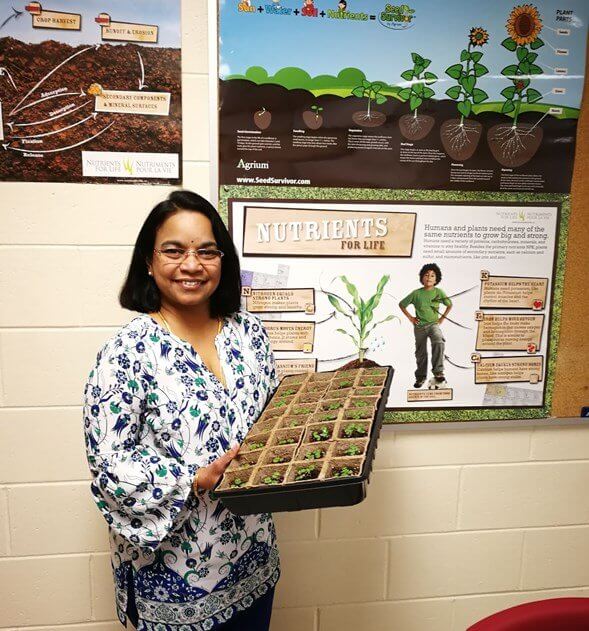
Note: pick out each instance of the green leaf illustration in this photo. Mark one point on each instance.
(465, 107)
(418, 88)
(352, 291)
(532, 57)
(404, 94)
(536, 44)
(428, 93)
(380, 99)
(522, 53)
(524, 67)
(454, 91)
(430, 77)
(508, 106)
(468, 83)
(415, 102)
(478, 96)
(454, 71)
(476, 56)
(407, 75)
(480, 70)
(509, 71)
(509, 44)
(359, 91)
(509, 92)
(533, 95)
(366, 84)
(535, 69)
(464, 55)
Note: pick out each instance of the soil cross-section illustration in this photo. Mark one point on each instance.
(90, 95)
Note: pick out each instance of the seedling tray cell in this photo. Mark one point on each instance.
(339, 474)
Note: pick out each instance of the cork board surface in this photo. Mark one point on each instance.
(571, 390)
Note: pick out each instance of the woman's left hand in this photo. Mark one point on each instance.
(208, 477)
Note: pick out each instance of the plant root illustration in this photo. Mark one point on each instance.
(312, 118)
(415, 126)
(515, 144)
(461, 138)
(369, 117)
(262, 119)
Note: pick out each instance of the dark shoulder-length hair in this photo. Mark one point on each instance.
(139, 291)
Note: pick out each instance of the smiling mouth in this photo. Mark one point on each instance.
(190, 284)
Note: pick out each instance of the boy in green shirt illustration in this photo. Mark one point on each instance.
(426, 324)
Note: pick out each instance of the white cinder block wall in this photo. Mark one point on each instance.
(458, 523)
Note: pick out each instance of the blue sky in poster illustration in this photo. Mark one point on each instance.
(438, 31)
(164, 13)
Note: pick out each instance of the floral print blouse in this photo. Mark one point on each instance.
(153, 415)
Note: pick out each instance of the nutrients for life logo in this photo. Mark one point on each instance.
(397, 17)
(128, 166)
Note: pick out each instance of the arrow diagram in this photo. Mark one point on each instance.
(57, 131)
(142, 83)
(47, 120)
(48, 98)
(457, 365)
(16, 14)
(95, 47)
(82, 142)
(331, 315)
(4, 71)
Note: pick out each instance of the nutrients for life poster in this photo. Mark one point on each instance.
(90, 91)
(417, 95)
(367, 275)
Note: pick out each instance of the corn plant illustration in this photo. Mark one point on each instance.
(416, 126)
(460, 137)
(515, 143)
(360, 314)
(372, 92)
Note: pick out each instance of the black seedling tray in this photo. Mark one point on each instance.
(315, 493)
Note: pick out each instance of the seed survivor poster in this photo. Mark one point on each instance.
(90, 91)
(396, 178)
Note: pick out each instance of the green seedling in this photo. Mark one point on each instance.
(344, 472)
(368, 383)
(295, 423)
(280, 404)
(305, 473)
(357, 414)
(345, 384)
(359, 312)
(352, 450)
(275, 478)
(315, 454)
(328, 416)
(372, 92)
(237, 483)
(336, 405)
(288, 392)
(320, 434)
(253, 446)
(418, 90)
(286, 441)
(278, 459)
(354, 430)
(360, 404)
(303, 410)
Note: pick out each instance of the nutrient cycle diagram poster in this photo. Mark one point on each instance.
(418, 95)
(90, 91)
(328, 279)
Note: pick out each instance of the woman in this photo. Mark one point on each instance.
(171, 392)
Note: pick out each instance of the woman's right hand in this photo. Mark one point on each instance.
(208, 477)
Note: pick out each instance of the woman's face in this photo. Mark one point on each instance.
(188, 282)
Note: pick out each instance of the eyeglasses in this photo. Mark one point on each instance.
(204, 255)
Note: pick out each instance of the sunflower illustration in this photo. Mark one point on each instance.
(478, 36)
(524, 24)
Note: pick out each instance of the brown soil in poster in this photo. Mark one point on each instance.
(114, 68)
(514, 146)
(332, 162)
(415, 127)
(374, 119)
(312, 120)
(460, 140)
